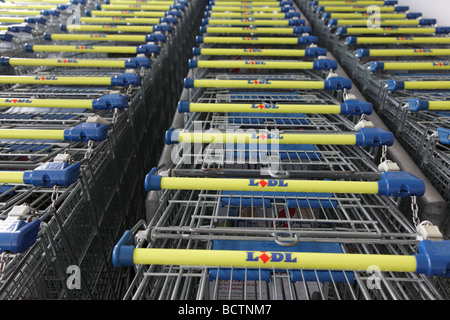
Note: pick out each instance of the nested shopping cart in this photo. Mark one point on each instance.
(49, 92)
(329, 196)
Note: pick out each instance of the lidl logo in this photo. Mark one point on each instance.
(18, 100)
(440, 64)
(265, 257)
(255, 63)
(84, 47)
(423, 50)
(67, 61)
(258, 82)
(249, 38)
(269, 182)
(264, 106)
(252, 50)
(47, 78)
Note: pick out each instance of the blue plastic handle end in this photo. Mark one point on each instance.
(360, 53)
(192, 63)
(413, 15)
(47, 36)
(356, 107)
(433, 258)
(110, 102)
(4, 61)
(351, 40)
(138, 62)
(376, 66)
(196, 51)
(395, 85)
(199, 39)
(332, 22)
(400, 184)
(86, 131)
(17, 236)
(302, 30)
(152, 181)
(28, 47)
(183, 106)
(171, 136)
(444, 135)
(188, 83)
(126, 79)
(417, 105)
(374, 137)
(147, 49)
(325, 64)
(315, 52)
(50, 174)
(337, 83)
(122, 255)
(401, 8)
(341, 30)
(307, 40)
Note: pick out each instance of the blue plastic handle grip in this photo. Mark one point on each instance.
(17, 236)
(86, 132)
(400, 184)
(52, 173)
(110, 102)
(122, 254)
(444, 135)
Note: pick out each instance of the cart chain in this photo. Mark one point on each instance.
(129, 89)
(3, 262)
(415, 211)
(55, 195)
(115, 116)
(383, 157)
(88, 153)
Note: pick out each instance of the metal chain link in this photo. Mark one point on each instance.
(88, 153)
(55, 195)
(415, 211)
(383, 153)
(115, 116)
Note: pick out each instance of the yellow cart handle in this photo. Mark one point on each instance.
(366, 137)
(349, 107)
(256, 30)
(420, 105)
(310, 52)
(99, 37)
(138, 7)
(397, 40)
(382, 23)
(396, 184)
(127, 13)
(247, 9)
(32, 134)
(108, 28)
(132, 63)
(119, 20)
(353, 9)
(438, 65)
(307, 40)
(247, 22)
(334, 83)
(124, 79)
(246, 14)
(394, 85)
(268, 260)
(349, 30)
(401, 52)
(27, 6)
(106, 102)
